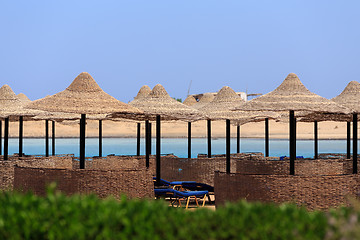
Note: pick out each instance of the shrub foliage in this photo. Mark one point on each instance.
(56, 216)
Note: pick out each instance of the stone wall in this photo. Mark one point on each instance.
(313, 192)
(7, 167)
(133, 183)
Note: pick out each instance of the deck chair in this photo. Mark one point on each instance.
(177, 196)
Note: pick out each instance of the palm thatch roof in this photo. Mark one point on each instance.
(84, 96)
(190, 101)
(23, 98)
(158, 102)
(205, 99)
(143, 93)
(221, 108)
(349, 97)
(292, 95)
(11, 105)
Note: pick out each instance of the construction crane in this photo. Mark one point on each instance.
(188, 92)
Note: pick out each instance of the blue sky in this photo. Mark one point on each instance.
(247, 45)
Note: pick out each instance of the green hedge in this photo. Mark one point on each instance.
(86, 217)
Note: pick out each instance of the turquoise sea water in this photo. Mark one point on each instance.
(177, 146)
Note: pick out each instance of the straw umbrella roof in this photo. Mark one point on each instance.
(190, 101)
(84, 96)
(292, 95)
(350, 96)
(160, 103)
(143, 92)
(11, 105)
(23, 98)
(221, 108)
(205, 99)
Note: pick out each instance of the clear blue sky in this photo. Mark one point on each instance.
(125, 44)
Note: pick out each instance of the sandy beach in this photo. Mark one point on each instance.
(278, 130)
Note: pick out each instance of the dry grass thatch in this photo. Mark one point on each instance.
(190, 101)
(205, 99)
(221, 108)
(23, 98)
(160, 103)
(292, 95)
(11, 106)
(84, 96)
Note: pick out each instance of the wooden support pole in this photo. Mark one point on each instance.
(53, 138)
(266, 137)
(189, 139)
(292, 146)
(6, 139)
(238, 139)
(138, 139)
(158, 150)
(355, 143)
(21, 127)
(227, 146)
(82, 140)
(316, 140)
(100, 138)
(209, 137)
(348, 140)
(46, 138)
(147, 145)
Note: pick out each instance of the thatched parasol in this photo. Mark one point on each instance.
(158, 102)
(84, 96)
(221, 109)
(225, 100)
(12, 109)
(11, 105)
(349, 97)
(23, 98)
(143, 93)
(190, 101)
(205, 99)
(292, 96)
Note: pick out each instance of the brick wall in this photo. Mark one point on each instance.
(133, 183)
(314, 192)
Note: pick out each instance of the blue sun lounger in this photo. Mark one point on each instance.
(176, 196)
(190, 185)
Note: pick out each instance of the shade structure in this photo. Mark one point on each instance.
(11, 105)
(292, 96)
(221, 109)
(160, 103)
(23, 98)
(160, 106)
(190, 101)
(13, 109)
(143, 93)
(84, 96)
(349, 98)
(205, 99)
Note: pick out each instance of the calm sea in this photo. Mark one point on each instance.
(177, 146)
